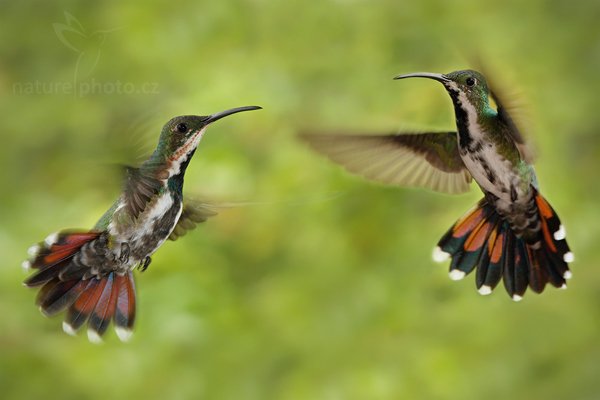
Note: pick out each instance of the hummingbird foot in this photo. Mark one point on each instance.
(125, 251)
(144, 264)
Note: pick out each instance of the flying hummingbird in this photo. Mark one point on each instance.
(512, 233)
(90, 273)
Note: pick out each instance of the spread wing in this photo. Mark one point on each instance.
(194, 212)
(429, 160)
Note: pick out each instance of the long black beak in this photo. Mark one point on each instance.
(217, 116)
(438, 77)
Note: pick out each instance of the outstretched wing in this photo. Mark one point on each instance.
(429, 160)
(194, 212)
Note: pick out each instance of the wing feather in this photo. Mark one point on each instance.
(194, 212)
(429, 160)
(506, 110)
(141, 185)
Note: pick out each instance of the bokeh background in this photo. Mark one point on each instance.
(322, 286)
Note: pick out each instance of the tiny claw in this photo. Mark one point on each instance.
(125, 250)
(144, 264)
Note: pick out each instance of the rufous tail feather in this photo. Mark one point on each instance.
(483, 240)
(67, 284)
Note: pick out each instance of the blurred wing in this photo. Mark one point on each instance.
(194, 212)
(509, 111)
(140, 187)
(513, 129)
(429, 160)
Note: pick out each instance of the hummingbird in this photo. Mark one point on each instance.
(512, 233)
(88, 45)
(90, 272)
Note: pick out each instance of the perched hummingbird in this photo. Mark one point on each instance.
(90, 273)
(513, 232)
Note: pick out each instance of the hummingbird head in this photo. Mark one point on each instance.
(181, 135)
(466, 87)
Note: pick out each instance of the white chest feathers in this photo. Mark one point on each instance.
(144, 223)
(491, 170)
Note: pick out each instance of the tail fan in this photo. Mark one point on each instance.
(66, 284)
(482, 239)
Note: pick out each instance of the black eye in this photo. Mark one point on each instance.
(181, 128)
(470, 81)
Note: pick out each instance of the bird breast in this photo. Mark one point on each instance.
(149, 230)
(491, 171)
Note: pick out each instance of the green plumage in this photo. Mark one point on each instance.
(512, 233)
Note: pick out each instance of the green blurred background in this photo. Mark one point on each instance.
(325, 289)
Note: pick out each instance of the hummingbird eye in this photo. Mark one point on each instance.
(181, 128)
(470, 81)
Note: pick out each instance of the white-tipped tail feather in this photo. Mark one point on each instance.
(569, 258)
(68, 329)
(485, 290)
(483, 240)
(560, 234)
(456, 274)
(123, 333)
(440, 255)
(93, 336)
(51, 239)
(33, 250)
